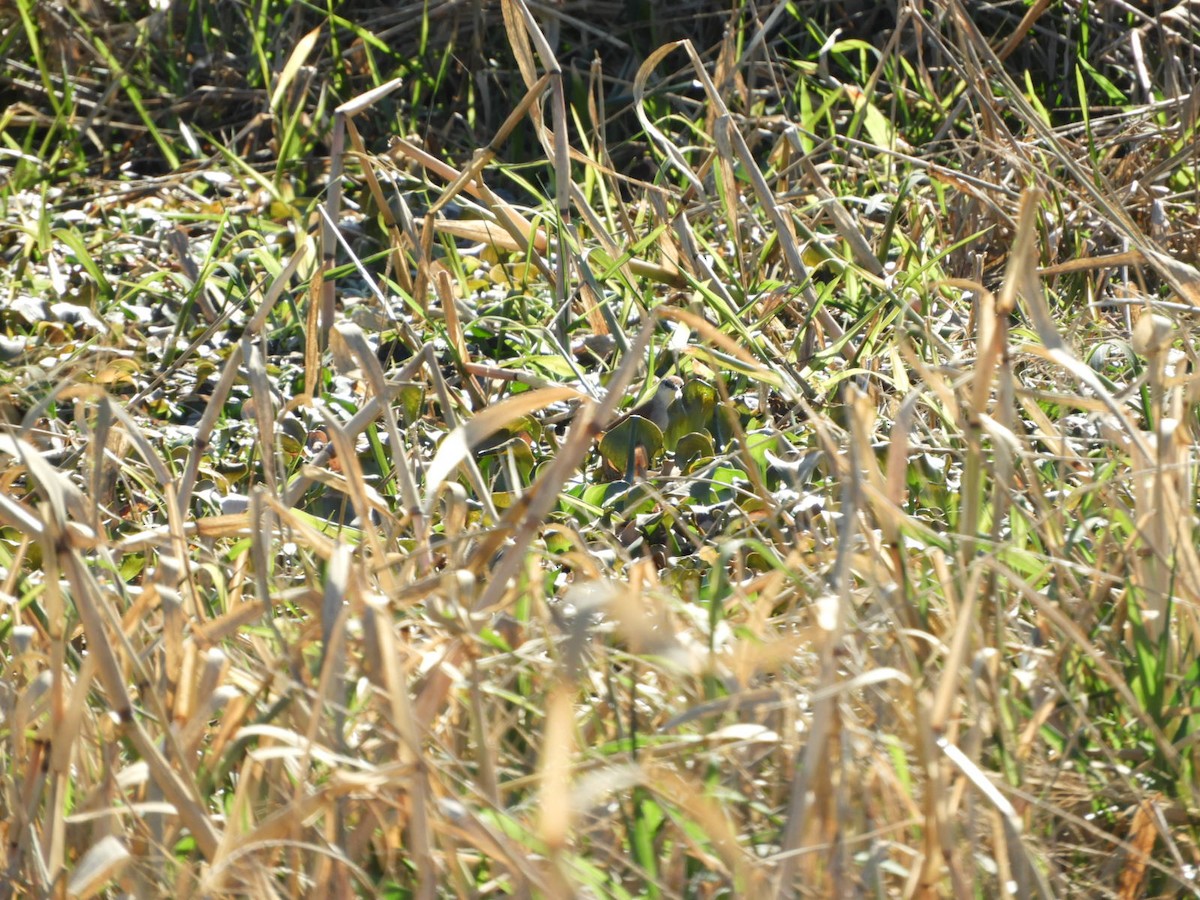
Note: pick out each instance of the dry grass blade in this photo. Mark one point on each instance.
(485, 157)
(299, 55)
(1144, 835)
(182, 795)
(204, 429)
(555, 143)
(1026, 283)
(639, 104)
(264, 412)
(555, 777)
(101, 863)
(21, 518)
(399, 264)
(484, 232)
(1028, 876)
(844, 222)
(715, 824)
(357, 346)
(459, 444)
(809, 813)
(65, 501)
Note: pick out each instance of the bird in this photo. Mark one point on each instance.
(634, 453)
(657, 408)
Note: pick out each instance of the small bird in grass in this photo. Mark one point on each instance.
(633, 453)
(657, 408)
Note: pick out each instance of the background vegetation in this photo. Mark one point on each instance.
(328, 557)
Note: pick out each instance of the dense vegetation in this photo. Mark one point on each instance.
(616, 449)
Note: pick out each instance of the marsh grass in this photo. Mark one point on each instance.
(328, 567)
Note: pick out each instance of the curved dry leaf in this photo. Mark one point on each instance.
(65, 500)
(102, 862)
(460, 442)
(300, 53)
(639, 106)
(485, 232)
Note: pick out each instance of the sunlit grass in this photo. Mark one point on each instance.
(444, 460)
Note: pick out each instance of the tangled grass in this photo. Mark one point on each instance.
(615, 450)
